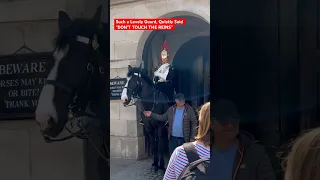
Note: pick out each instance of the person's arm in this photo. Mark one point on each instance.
(194, 123)
(171, 168)
(160, 117)
(166, 107)
(265, 170)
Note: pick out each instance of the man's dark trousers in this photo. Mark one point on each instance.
(174, 142)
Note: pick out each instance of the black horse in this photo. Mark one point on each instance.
(140, 86)
(76, 86)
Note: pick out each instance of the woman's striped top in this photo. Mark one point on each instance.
(179, 160)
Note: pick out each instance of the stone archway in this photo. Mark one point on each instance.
(147, 36)
(149, 52)
(193, 69)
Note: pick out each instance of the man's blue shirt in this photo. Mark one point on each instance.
(177, 127)
(222, 163)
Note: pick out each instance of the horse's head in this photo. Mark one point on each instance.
(132, 88)
(79, 63)
(137, 83)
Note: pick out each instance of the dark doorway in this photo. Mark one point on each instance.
(192, 62)
(309, 55)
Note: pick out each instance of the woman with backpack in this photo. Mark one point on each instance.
(197, 152)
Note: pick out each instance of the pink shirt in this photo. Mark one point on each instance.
(179, 160)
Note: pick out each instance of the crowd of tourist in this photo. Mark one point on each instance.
(213, 147)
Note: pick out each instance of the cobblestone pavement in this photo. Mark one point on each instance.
(123, 169)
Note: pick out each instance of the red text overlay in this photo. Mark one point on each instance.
(148, 24)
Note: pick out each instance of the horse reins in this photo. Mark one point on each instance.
(153, 105)
(136, 95)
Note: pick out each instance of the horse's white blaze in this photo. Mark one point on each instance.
(124, 95)
(46, 108)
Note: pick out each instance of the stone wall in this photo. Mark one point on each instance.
(126, 134)
(25, 155)
(126, 47)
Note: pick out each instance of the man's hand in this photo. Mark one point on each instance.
(147, 113)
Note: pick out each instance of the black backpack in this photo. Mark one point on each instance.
(197, 169)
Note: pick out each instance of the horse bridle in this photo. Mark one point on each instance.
(95, 46)
(136, 92)
(76, 100)
(78, 107)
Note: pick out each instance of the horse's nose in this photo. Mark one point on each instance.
(43, 121)
(124, 100)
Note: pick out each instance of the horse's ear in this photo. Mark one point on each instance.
(97, 16)
(64, 20)
(129, 67)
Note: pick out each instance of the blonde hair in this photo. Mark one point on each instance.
(204, 124)
(303, 161)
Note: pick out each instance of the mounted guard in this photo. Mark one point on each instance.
(164, 76)
(140, 91)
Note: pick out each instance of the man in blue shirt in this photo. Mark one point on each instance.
(182, 122)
